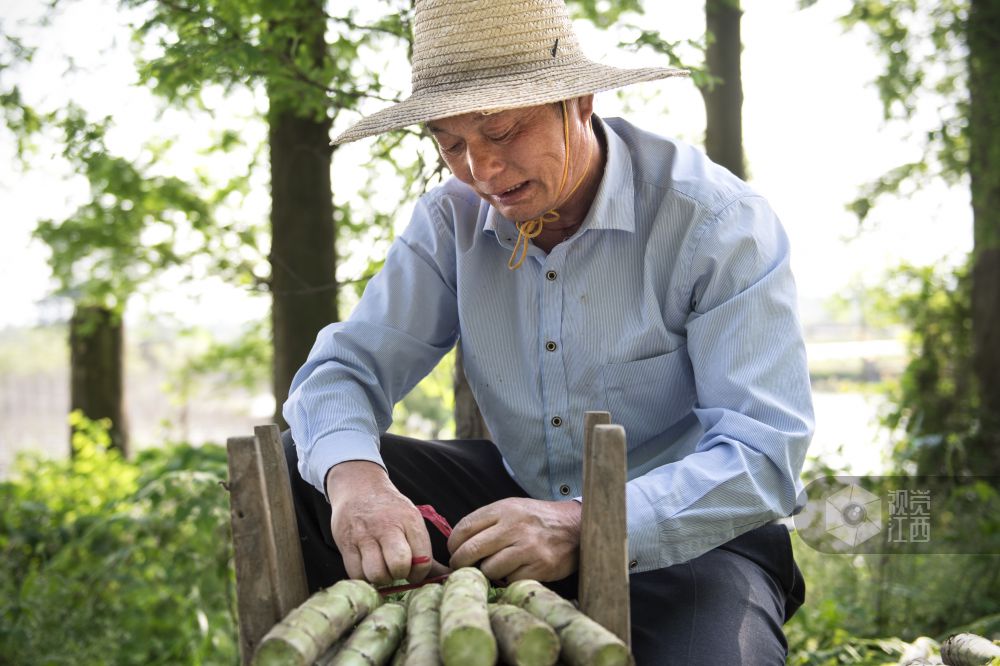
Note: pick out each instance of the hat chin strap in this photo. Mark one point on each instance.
(529, 229)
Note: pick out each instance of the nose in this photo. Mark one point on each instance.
(485, 162)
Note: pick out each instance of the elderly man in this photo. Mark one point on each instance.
(581, 263)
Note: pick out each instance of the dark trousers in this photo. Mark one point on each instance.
(724, 607)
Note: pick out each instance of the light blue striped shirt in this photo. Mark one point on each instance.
(673, 308)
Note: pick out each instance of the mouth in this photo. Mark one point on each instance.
(511, 194)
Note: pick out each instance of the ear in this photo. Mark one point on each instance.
(585, 107)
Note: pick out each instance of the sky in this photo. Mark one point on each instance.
(812, 123)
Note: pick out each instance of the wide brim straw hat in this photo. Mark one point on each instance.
(491, 55)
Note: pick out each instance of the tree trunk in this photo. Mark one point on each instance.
(724, 100)
(97, 369)
(303, 256)
(984, 168)
(469, 423)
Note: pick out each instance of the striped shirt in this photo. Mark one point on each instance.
(673, 308)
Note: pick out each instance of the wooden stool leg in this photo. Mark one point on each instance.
(604, 584)
(288, 571)
(270, 574)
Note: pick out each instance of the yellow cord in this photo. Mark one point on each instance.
(529, 229)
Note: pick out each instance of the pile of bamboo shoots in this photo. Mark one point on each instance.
(462, 622)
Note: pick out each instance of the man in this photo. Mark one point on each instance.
(581, 264)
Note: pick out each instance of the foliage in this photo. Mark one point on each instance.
(427, 411)
(933, 413)
(137, 218)
(934, 416)
(127, 231)
(934, 408)
(676, 52)
(924, 81)
(189, 46)
(108, 561)
(19, 117)
(242, 362)
(865, 609)
(947, 402)
(241, 42)
(684, 53)
(603, 14)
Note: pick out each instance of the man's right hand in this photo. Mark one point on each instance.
(378, 531)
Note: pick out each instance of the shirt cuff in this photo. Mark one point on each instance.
(655, 545)
(643, 534)
(334, 449)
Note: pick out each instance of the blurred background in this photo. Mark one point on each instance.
(174, 230)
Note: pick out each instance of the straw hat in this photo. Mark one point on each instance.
(489, 55)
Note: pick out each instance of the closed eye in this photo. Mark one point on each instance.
(503, 138)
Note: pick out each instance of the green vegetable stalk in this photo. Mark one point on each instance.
(376, 638)
(524, 639)
(466, 637)
(584, 641)
(399, 659)
(422, 626)
(312, 627)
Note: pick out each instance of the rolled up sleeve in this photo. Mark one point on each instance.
(753, 396)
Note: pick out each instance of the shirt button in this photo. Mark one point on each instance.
(564, 489)
(556, 421)
(633, 564)
(550, 275)
(551, 346)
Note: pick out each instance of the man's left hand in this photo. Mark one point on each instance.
(519, 538)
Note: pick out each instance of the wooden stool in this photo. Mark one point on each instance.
(270, 575)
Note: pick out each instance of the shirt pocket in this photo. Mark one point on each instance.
(649, 395)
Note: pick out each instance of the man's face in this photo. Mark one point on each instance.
(514, 159)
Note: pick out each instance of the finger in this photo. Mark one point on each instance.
(500, 565)
(372, 563)
(536, 570)
(420, 546)
(397, 554)
(438, 569)
(522, 572)
(473, 524)
(352, 563)
(480, 546)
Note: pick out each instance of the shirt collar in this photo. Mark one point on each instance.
(613, 206)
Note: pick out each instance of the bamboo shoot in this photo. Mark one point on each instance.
(466, 636)
(310, 629)
(584, 641)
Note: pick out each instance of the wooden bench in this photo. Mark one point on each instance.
(270, 576)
